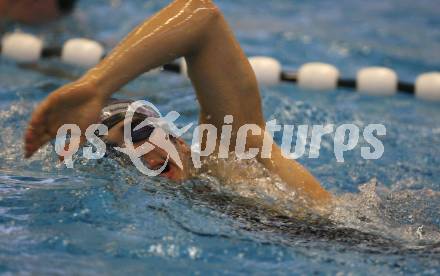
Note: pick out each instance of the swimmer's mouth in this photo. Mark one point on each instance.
(169, 170)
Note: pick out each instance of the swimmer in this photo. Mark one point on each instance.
(35, 11)
(221, 75)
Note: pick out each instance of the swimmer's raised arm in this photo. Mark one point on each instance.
(174, 31)
(219, 70)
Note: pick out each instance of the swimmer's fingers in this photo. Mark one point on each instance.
(37, 133)
(71, 104)
(32, 147)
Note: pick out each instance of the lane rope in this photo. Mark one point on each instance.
(27, 48)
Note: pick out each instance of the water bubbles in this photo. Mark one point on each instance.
(157, 249)
(394, 214)
(194, 252)
(419, 232)
(161, 250)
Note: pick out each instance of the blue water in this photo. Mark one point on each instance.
(100, 218)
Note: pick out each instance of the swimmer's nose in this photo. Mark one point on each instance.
(154, 164)
(170, 171)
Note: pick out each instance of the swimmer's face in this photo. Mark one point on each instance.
(156, 158)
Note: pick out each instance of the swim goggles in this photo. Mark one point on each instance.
(115, 112)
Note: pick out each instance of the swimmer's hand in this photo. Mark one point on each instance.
(77, 103)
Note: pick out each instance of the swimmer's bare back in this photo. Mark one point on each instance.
(219, 70)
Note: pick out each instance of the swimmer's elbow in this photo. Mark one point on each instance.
(214, 11)
(210, 9)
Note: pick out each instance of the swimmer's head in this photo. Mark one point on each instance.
(113, 116)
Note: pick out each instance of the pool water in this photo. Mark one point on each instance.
(101, 218)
